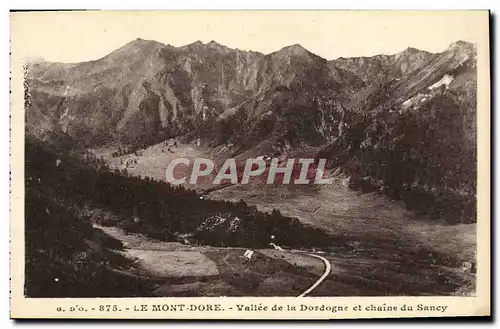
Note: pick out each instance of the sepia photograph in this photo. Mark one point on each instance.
(250, 154)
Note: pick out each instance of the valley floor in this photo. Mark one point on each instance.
(174, 269)
(183, 270)
(375, 228)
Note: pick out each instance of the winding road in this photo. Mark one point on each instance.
(328, 269)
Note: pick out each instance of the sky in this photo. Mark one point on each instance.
(84, 36)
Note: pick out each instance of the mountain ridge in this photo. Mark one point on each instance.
(167, 91)
(360, 112)
(458, 44)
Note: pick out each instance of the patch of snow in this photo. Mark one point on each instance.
(407, 102)
(419, 98)
(445, 80)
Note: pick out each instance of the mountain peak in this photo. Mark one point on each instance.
(295, 50)
(195, 44)
(462, 50)
(215, 45)
(461, 44)
(139, 44)
(198, 45)
(136, 47)
(412, 55)
(412, 50)
(141, 41)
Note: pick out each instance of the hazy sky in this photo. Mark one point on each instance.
(82, 36)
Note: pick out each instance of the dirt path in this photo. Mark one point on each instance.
(328, 269)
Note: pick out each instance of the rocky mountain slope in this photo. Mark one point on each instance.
(146, 91)
(415, 137)
(386, 121)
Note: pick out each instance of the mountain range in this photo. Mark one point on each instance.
(385, 120)
(147, 91)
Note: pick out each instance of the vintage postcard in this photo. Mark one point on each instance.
(250, 164)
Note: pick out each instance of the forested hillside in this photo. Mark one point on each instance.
(68, 191)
